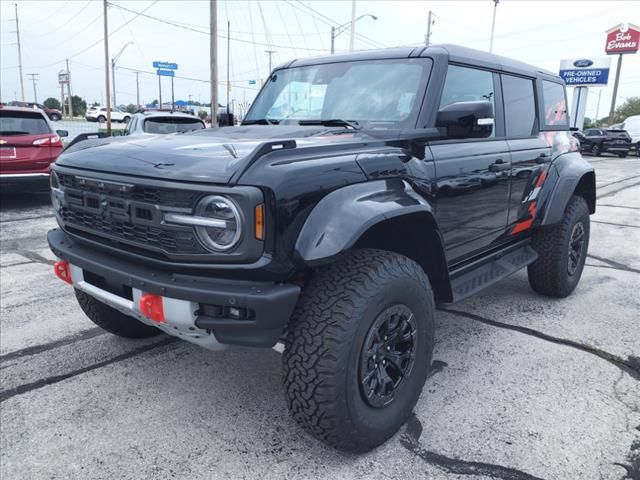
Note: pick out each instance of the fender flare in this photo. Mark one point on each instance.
(573, 173)
(337, 222)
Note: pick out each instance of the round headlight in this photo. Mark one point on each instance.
(223, 232)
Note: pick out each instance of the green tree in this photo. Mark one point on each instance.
(78, 106)
(631, 106)
(52, 103)
(202, 114)
(131, 108)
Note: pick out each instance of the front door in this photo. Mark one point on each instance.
(472, 194)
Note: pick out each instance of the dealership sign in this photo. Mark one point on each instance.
(623, 38)
(577, 72)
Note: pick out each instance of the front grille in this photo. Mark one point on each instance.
(127, 216)
(140, 193)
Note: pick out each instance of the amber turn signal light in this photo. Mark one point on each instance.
(259, 221)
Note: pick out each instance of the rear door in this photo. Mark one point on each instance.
(530, 152)
(472, 195)
(24, 141)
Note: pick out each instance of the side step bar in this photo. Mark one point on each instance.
(472, 278)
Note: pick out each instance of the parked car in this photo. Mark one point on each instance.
(329, 231)
(53, 113)
(597, 141)
(28, 146)
(151, 122)
(632, 126)
(99, 114)
(224, 120)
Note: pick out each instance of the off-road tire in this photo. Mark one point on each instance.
(596, 150)
(549, 274)
(112, 320)
(324, 345)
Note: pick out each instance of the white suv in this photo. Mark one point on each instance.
(99, 114)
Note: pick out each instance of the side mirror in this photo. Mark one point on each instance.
(467, 119)
(62, 133)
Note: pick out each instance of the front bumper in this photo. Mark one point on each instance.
(195, 297)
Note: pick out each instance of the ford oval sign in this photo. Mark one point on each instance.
(582, 63)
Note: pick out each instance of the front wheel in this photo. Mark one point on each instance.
(101, 119)
(563, 251)
(596, 149)
(358, 349)
(55, 117)
(126, 119)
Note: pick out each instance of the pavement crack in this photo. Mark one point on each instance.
(613, 192)
(34, 350)
(618, 206)
(618, 181)
(36, 257)
(22, 219)
(43, 382)
(410, 440)
(630, 365)
(616, 224)
(614, 264)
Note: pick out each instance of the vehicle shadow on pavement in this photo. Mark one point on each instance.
(24, 200)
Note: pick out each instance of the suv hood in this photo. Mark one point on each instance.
(210, 155)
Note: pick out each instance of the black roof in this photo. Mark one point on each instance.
(455, 53)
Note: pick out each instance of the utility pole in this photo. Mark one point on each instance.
(19, 54)
(598, 106)
(271, 52)
(228, 57)
(160, 92)
(69, 103)
(431, 21)
(106, 66)
(493, 24)
(213, 59)
(353, 25)
(333, 40)
(173, 106)
(137, 91)
(615, 91)
(34, 80)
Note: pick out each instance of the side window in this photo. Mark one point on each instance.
(519, 106)
(464, 84)
(555, 105)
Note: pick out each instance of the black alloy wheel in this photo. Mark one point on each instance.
(576, 248)
(388, 355)
(596, 149)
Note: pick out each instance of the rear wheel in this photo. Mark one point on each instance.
(622, 155)
(126, 119)
(596, 149)
(102, 119)
(55, 117)
(112, 320)
(359, 348)
(563, 251)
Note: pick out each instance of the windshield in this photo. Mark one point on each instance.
(172, 125)
(373, 93)
(22, 123)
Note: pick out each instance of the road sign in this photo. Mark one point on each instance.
(165, 65)
(585, 71)
(166, 73)
(623, 38)
(252, 82)
(63, 77)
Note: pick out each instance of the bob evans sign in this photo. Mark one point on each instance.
(578, 72)
(623, 38)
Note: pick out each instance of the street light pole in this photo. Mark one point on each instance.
(113, 72)
(335, 31)
(493, 24)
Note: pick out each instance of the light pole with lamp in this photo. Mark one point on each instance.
(335, 31)
(113, 71)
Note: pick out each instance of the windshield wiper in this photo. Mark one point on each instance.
(261, 121)
(334, 122)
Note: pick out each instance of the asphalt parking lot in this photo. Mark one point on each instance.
(523, 388)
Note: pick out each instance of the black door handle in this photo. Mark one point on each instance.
(499, 166)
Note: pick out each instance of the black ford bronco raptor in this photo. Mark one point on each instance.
(360, 191)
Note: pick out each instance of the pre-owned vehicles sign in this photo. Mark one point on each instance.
(623, 38)
(578, 72)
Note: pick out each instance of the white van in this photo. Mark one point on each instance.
(632, 126)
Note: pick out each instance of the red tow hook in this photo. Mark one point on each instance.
(62, 269)
(151, 307)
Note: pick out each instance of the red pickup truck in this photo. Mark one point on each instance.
(28, 146)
